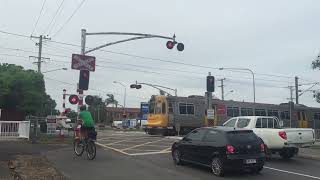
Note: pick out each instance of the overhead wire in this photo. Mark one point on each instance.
(35, 26)
(57, 13)
(69, 19)
(155, 59)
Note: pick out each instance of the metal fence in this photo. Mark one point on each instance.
(317, 134)
(14, 129)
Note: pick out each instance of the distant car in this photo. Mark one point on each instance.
(222, 149)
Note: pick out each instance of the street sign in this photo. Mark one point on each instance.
(83, 62)
(210, 114)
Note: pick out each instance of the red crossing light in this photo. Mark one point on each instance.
(170, 44)
(73, 99)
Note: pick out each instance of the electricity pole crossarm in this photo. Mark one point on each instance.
(41, 37)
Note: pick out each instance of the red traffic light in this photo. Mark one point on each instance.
(170, 44)
(73, 99)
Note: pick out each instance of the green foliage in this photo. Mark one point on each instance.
(315, 64)
(72, 115)
(24, 90)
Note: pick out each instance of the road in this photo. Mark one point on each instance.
(138, 156)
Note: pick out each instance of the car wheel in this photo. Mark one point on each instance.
(176, 156)
(257, 169)
(268, 153)
(287, 154)
(217, 167)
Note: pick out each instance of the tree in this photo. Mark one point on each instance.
(316, 63)
(72, 115)
(111, 100)
(97, 109)
(24, 90)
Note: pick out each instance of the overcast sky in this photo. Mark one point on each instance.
(274, 37)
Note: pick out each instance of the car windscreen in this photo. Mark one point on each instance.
(240, 137)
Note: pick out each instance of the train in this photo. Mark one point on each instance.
(171, 115)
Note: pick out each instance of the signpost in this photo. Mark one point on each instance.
(51, 125)
(83, 62)
(210, 113)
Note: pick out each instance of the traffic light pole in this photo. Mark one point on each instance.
(84, 33)
(158, 87)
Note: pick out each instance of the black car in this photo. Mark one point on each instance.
(221, 149)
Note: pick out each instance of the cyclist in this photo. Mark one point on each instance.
(87, 121)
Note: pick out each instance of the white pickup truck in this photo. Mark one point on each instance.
(286, 142)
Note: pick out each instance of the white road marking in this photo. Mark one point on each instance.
(290, 172)
(141, 145)
(108, 147)
(149, 153)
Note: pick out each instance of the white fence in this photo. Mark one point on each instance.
(14, 129)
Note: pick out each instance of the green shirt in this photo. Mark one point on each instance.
(86, 117)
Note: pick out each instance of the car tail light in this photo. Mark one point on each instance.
(283, 135)
(230, 149)
(262, 147)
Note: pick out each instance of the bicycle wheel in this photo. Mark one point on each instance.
(78, 148)
(91, 150)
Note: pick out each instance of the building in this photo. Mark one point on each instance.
(116, 114)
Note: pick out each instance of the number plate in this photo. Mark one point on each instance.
(250, 161)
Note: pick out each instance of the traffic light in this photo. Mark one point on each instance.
(89, 100)
(170, 44)
(84, 80)
(135, 86)
(73, 99)
(180, 46)
(210, 83)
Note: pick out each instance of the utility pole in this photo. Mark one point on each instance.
(222, 88)
(297, 89)
(291, 102)
(41, 37)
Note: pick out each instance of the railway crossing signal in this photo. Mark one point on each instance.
(89, 100)
(210, 83)
(73, 99)
(171, 44)
(84, 80)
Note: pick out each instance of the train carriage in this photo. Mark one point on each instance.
(172, 114)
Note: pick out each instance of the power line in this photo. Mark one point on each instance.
(74, 12)
(35, 26)
(141, 66)
(157, 59)
(54, 17)
(14, 34)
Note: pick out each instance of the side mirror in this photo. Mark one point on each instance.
(186, 139)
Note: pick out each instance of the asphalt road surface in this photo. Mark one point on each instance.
(139, 156)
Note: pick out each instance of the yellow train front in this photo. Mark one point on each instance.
(170, 115)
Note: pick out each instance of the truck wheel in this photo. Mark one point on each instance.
(287, 154)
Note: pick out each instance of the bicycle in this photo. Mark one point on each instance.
(81, 144)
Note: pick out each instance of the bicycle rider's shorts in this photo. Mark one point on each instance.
(84, 128)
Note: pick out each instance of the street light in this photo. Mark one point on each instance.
(125, 93)
(55, 70)
(231, 91)
(253, 82)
